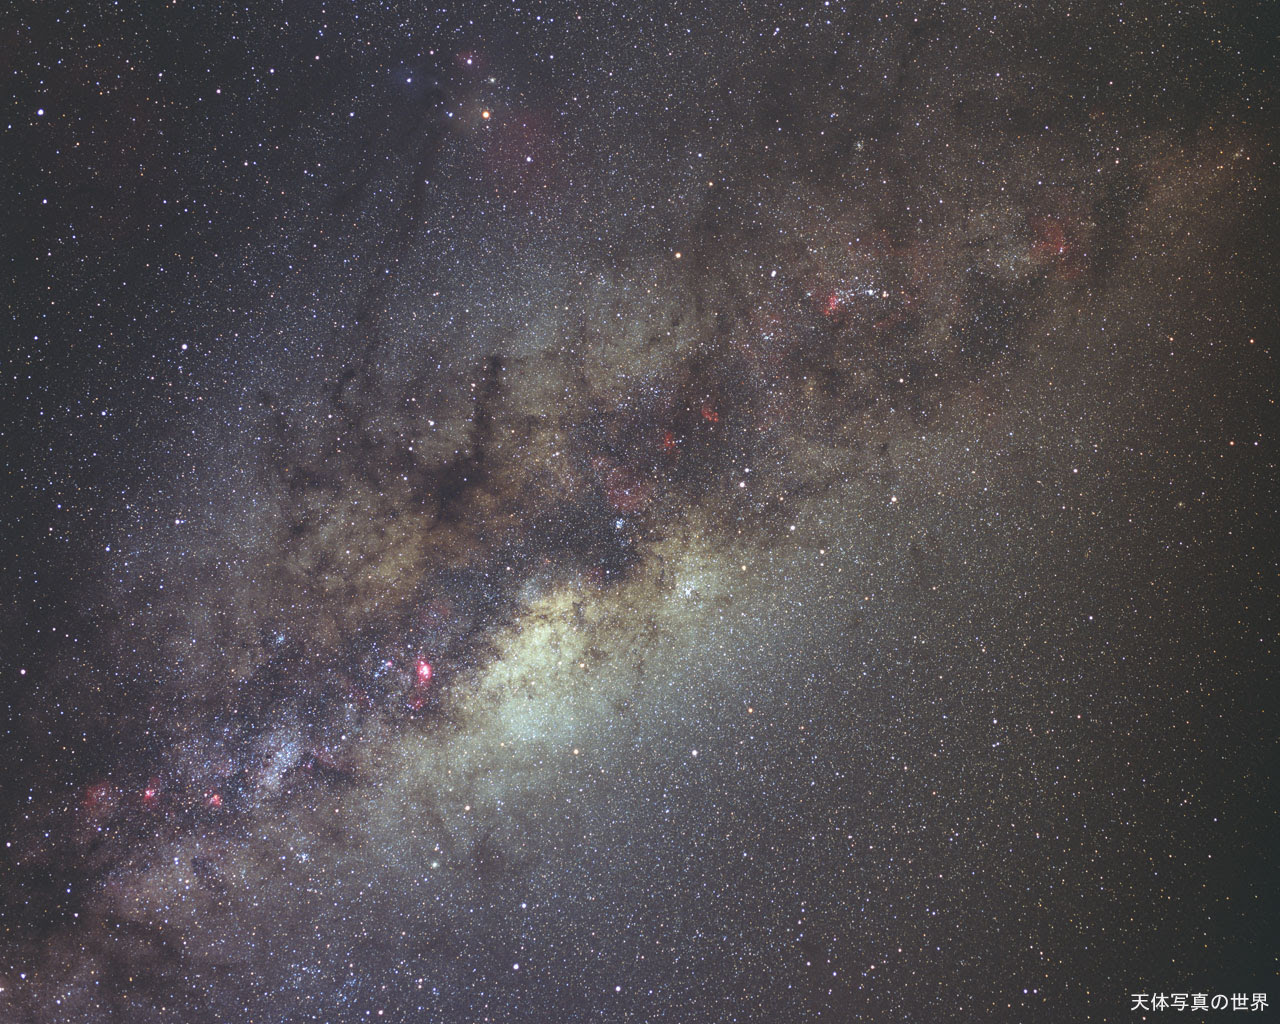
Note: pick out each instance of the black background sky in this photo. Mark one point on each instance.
(533, 512)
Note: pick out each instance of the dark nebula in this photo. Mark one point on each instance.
(641, 512)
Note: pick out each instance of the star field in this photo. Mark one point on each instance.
(535, 512)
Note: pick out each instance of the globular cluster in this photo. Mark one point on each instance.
(637, 512)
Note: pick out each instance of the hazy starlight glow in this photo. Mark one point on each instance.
(654, 512)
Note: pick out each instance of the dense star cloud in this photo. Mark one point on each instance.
(630, 513)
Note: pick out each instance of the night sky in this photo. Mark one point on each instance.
(645, 512)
